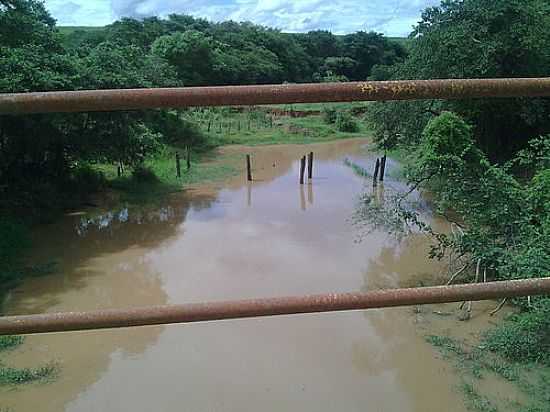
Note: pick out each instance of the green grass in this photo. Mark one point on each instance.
(18, 376)
(317, 107)
(67, 30)
(10, 342)
(475, 401)
(164, 180)
(474, 362)
(285, 130)
(403, 41)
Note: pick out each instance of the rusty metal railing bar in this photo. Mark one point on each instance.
(200, 312)
(135, 99)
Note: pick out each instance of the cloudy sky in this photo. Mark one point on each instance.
(392, 17)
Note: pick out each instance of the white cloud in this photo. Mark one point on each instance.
(392, 17)
(81, 12)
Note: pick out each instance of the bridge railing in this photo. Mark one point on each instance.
(137, 99)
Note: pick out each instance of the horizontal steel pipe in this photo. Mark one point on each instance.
(134, 99)
(198, 312)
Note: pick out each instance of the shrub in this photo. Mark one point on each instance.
(144, 174)
(85, 179)
(329, 115)
(346, 123)
(525, 336)
(10, 342)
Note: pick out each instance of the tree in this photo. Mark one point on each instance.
(369, 49)
(190, 52)
(340, 66)
(24, 22)
(476, 39)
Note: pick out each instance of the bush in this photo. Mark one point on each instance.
(525, 336)
(329, 115)
(144, 174)
(346, 123)
(85, 179)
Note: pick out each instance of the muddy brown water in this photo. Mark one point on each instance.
(236, 240)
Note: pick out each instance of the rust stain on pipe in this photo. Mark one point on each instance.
(200, 312)
(136, 99)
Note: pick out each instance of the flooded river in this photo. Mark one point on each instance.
(268, 238)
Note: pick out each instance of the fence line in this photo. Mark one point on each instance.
(134, 99)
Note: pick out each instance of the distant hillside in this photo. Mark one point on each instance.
(403, 41)
(66, 30)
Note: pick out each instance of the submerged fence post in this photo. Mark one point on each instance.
(188, 157)
(310, 166)
(209, 125)
(178, 165)
(376, 168)
(382, 168)
(248, 168)
(302, 169)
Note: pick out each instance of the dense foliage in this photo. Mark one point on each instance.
(486, 161)
(473, 39)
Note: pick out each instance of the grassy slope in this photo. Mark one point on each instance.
(285, 130)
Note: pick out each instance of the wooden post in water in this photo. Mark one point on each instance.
(248, 169)
(239, 125)
(271, 122)
(209, 125)
(302, 169)
(376, 168)
(229, 128)
(178, 165)
(188, 157)
(310, 166)
(248, 124)
(382, 168)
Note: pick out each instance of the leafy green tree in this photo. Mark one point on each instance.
(369, 49)
(190, 52)
(25, 22)
(340, 66)
(476, 39)
(140, 33)
(320, 44)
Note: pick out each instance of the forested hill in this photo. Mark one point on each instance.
(239, 53)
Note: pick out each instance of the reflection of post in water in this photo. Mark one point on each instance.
(310, 193)
(302, 198)
(381, 195)
(378, 194)
(249, 194)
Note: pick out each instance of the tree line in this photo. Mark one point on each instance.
(46, 153)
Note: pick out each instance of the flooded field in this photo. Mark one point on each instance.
(271, 237)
